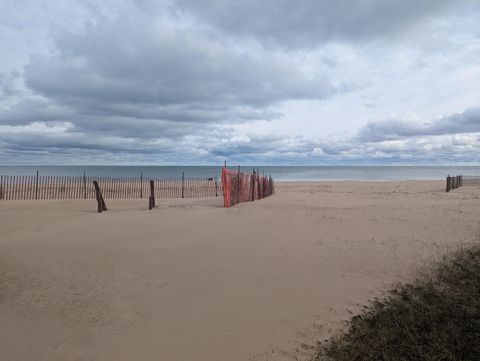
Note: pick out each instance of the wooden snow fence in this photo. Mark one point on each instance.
(454, 182)
(43, 187)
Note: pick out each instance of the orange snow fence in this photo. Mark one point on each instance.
(244, 187)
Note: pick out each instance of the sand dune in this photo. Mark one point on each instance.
(193, 281)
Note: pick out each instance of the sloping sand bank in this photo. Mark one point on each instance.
(193, 281)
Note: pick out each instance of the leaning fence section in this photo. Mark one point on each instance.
(470, 180)
(454, 182)
(22, 187)
(244, 187)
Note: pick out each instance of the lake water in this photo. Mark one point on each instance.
(279, 173)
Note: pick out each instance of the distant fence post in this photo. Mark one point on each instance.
(84, 186)
(1, 186)
(252, 186)
(216, 189)
(258, 185)
(151, 199)
(183, 183)
(238, 185)
(36, 186)
(141, 185)
(100, 202)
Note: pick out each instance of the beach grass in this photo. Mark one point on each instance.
(436, 317)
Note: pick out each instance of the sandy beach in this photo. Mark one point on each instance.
(191, 280)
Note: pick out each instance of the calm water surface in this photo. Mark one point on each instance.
(279, 173)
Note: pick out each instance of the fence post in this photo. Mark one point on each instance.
(183, 183)
(36, 186)
(84, 186)
(1, 186)
(238, 185)
(151, 199)
(448, 183)
(216, 190)
(141, 185)
(268, 183)
(100, 202)
(252, 186)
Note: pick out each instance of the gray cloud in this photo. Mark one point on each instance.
(136, 80)
(7, 83)
(196, 82)
(307, 22)
(392, 129)
(138, 66)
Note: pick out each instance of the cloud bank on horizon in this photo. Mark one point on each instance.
(271, 82)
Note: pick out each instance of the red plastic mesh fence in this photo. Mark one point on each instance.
(244, 187)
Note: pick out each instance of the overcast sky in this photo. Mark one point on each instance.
(253, 81)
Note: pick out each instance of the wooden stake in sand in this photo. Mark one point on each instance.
(36, 187)
(151, 199)
(216, 186)
(84, 186)
(98, 194)
(183, 183)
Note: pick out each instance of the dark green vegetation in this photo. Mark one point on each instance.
(436, 317)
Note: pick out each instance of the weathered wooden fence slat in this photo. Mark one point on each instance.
(46, 187)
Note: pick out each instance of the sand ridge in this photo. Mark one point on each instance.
(193, 281)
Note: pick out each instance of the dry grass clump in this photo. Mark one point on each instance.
(437, 317)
